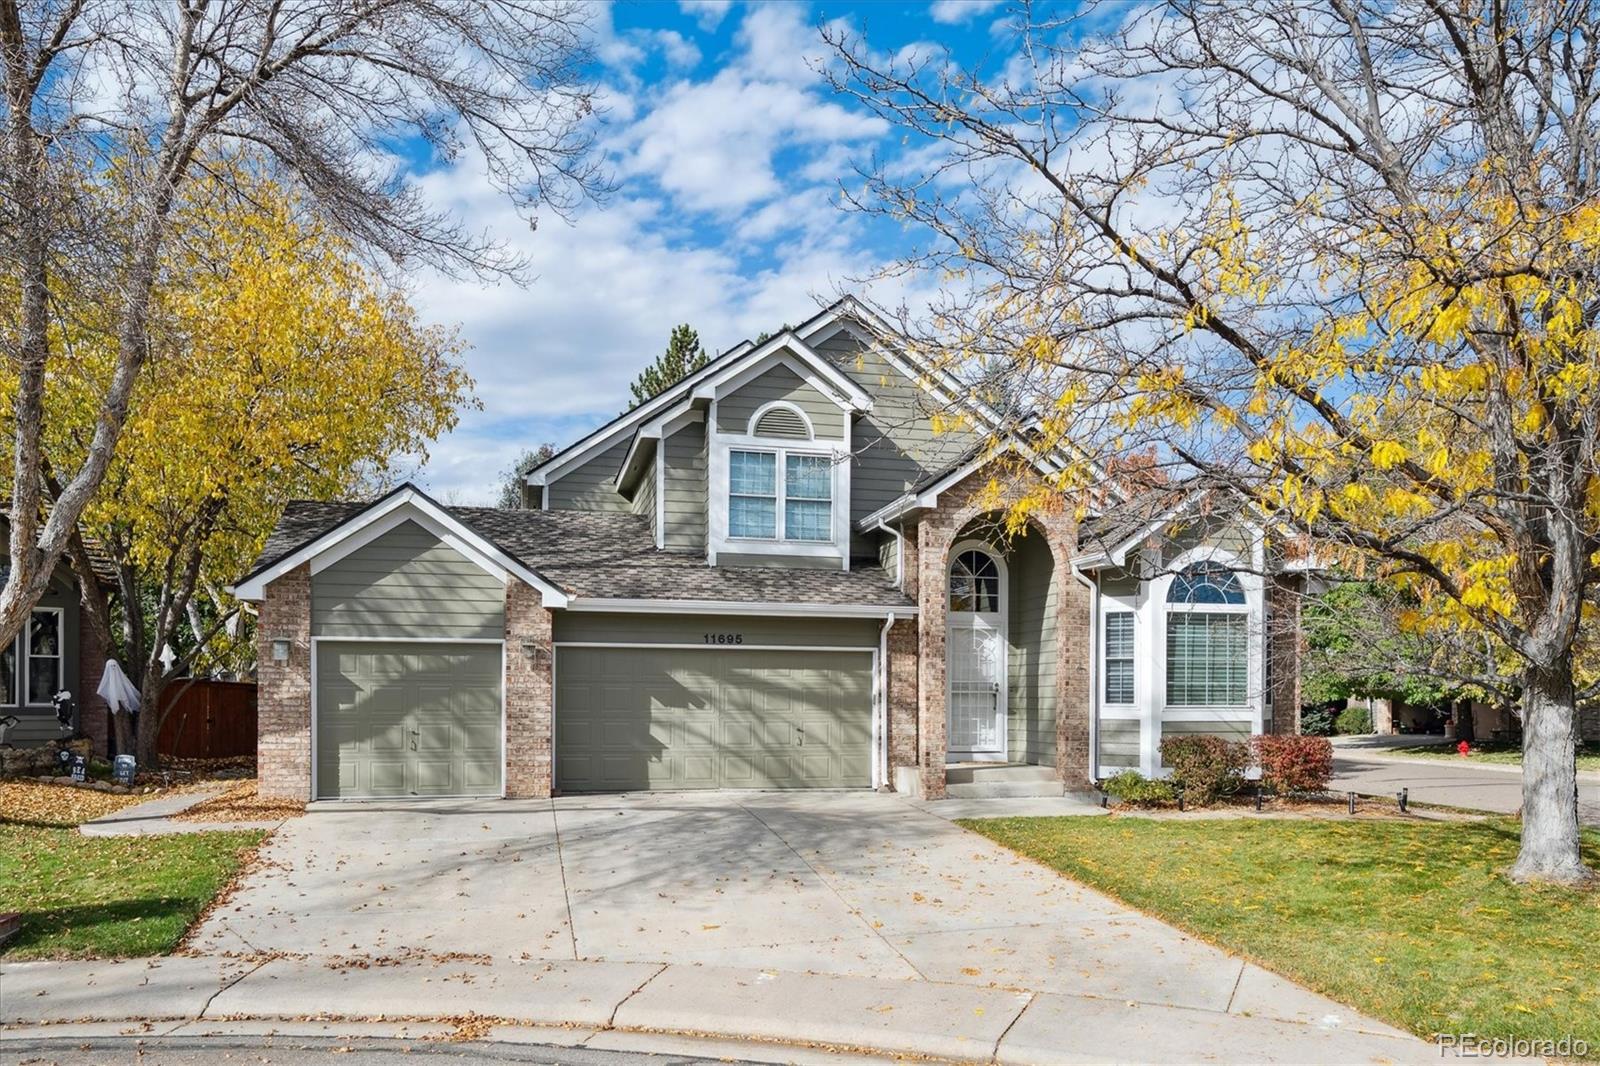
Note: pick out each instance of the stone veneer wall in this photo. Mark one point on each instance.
(529, 694)
(283, 720)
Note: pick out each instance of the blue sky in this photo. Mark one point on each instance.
(726, 150)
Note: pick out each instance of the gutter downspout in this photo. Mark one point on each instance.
(1094, 690)
(899, 554)
(880, 717)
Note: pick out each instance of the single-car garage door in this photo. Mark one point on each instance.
(664, 718)
(405, 719)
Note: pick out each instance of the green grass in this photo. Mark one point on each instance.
(109, 897)
(1488, 751)
(1410, 922)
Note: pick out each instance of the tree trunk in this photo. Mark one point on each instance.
(122, 723)
(1550, 837)
(150, 718)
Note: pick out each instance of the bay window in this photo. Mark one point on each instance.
(764, 485)
(1207, 639)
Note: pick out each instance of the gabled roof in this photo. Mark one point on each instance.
(608, 561)
(341, 528)
(724, 365)
(786, 349)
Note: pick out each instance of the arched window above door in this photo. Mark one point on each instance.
(974, 582)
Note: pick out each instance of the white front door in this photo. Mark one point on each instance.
(976, 658)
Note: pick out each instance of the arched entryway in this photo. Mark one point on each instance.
(1001, 648)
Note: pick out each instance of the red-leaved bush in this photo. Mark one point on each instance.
(1294, 764)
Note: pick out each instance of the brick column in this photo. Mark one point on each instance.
(902, 695)
(1283, 644)
(1073, 654)
(283, 720)
(933, 543)
(530, 694)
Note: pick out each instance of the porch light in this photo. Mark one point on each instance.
(280, 650)
(534, 652)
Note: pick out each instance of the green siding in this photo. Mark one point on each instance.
(406, 583)
(1119, 744)
(735, 410)
(587, 487)
(1031, 629)
(644, 494)
(685, 486)
(586, 627)
(631, 719)
(408, 720)
(895, 444)
(1122, 584)
(37, 724)
(1227, 730)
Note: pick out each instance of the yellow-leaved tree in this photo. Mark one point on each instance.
(1340, 262)
(282, 368)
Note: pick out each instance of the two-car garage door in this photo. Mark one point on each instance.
(667, 718)
(399, 719)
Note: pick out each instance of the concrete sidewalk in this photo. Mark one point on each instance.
(154, 817)
(596, 1003)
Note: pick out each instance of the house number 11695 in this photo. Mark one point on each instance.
(723, 638)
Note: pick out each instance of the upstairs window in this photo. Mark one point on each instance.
(766, 485)
(1207, 639)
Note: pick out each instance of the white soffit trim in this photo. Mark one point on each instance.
(805, 610)
(405, 505)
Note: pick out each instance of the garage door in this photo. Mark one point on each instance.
(648, 718)
(408, 719)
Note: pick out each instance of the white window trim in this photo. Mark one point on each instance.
(19, 666)
(25, 660)
(718, 540)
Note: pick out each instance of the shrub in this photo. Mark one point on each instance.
(1294, 764)
(1205, 767)
(1133, 788)
(1353, 719)
(1317, 721)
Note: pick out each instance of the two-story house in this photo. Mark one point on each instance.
(783, 572)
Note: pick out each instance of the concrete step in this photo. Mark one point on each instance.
(985, 789)
(970, 774)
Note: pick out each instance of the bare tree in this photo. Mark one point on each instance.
(111, 106)
(1338, 259)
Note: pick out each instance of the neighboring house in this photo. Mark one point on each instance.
(54, 653)
(782, 572)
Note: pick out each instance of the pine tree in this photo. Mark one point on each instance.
(684, 355)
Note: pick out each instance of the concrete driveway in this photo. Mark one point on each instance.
(822, 882)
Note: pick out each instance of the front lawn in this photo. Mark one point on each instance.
(1488, 751)
(1408, 921)
(102, 897)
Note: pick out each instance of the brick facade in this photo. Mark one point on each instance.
(283, 722)
(529, 694)
(1284, 646)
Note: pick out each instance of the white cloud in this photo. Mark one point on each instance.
(954, 12)
(708, 13)
(723, 219)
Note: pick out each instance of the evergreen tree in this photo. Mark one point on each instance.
(684, 355)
